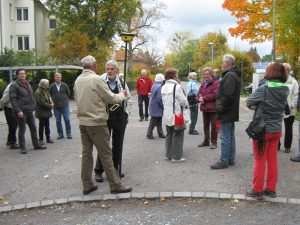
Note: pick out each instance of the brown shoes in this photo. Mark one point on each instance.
(121, 189)
(218, 165)
(93, 188)
(253, 194)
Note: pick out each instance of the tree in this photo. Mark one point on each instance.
(178, 40)
(69, 47)
(253, 54)
(204, 51)
(255, 22)
(7, 58)
(267, 58)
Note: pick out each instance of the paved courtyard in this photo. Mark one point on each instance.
(55, 173)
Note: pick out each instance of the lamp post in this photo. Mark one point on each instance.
(212, 50)
(274, 32)
(126, 37)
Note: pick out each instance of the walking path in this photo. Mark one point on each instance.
(52, 176)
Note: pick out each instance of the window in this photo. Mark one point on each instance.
(52, 24)
(22, 14)
(23, 43)
(11, 14)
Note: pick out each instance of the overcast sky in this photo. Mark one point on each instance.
(200, 17)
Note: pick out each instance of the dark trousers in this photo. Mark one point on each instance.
(28, 119)
(44, 125)
(117, 131)
(12, 125)
(288, 135)
(210, 119)
(194, 117)
(155, 121)
(141, 99)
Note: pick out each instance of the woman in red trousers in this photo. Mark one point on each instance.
(269, 101)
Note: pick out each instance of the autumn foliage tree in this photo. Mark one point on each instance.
(255, 21)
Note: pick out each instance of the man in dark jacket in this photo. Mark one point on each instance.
(23, 103)
(227, 106)
(60, 93)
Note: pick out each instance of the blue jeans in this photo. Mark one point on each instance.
(227, 142)
(66, 114)
(194, 117)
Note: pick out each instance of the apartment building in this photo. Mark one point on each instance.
(25, 25)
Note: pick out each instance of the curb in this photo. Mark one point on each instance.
(145, 195)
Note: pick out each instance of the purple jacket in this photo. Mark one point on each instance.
(156, 107)
(209, 94)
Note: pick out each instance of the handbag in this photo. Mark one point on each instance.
(257, 128)
(191, 97)
(179, 123)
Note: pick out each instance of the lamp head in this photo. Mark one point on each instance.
(127, 36)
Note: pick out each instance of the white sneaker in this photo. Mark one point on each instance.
(178, 160)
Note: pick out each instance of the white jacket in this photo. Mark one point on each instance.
(180, 100)
(293, 94)
(128, 99)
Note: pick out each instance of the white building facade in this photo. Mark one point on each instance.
(25, 25)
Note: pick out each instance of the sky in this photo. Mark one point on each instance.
(200, 17)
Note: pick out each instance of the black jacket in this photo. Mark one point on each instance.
(22, 100)
(228, 98)
(60, 98)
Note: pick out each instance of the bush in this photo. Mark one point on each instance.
(2, 86)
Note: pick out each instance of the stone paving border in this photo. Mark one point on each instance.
(146, 195)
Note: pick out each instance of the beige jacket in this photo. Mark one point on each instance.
(92, 96)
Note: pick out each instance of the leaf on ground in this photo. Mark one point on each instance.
(146, 202)
(156, 162)
(232, 207)
(162, 199)
(46, 176)
(103, 206)
(236, 201)
(1, 198)
(80, 156)
(7, 202)
(56, 161)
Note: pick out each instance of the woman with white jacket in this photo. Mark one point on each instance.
(292, 103)
(174, 138)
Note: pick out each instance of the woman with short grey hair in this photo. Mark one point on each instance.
(43, 109)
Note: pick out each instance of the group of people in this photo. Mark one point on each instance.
(104, 104)
(20, 102)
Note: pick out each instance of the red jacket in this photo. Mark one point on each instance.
(209, 94)
(143, 87)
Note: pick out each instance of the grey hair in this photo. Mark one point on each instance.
(88, 61)
(57, 74)
(112, 63)
(143, 70)
(159, 77)
(44, 83)
(229, 58)
(287, 67)
(209, 69)
(192, 75)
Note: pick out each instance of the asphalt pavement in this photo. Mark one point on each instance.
(55, 173)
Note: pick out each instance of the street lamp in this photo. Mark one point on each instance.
(126, 37)
(212, 50)
(274, 32)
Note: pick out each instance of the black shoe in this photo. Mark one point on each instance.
(8, 143)
(162, 136)
(287, 150)
(60, 137)
(50, 141)
(218, 166)
(69, 137)
(23, 151)
(14, 146)
(194, 132)
(231, 164)
(253, 194)
(269, 193)
(146, 119)
(121, 189)
(141, 119)
(150, 137)
(203, 144)
(41, 142)
(39, 147)
(94, 188)
(295, 159)
(98, 178)
(122, 175)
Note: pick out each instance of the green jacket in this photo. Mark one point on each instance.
(43, 104)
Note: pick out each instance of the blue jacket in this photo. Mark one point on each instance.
(156, 107)
(192, 86)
